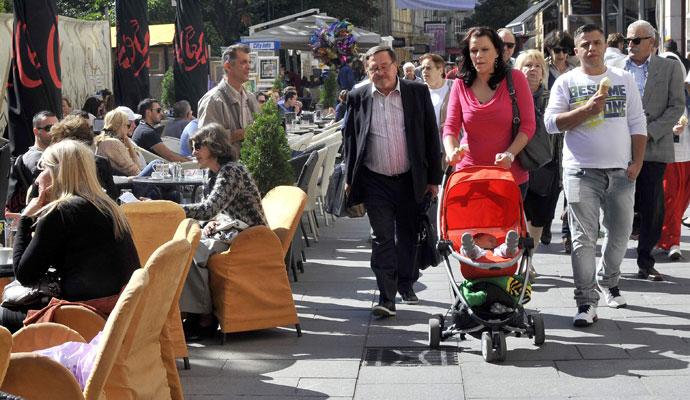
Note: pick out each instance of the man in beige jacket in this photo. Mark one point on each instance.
(228, 104)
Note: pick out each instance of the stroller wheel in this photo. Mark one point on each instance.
(435, 327)
(494, 346)
(537, 323)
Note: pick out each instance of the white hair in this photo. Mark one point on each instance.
(408, 65)
(640, 23)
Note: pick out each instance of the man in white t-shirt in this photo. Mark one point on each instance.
(603, 151)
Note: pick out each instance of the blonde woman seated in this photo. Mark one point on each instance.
(114, 143)
(229, 194)
(73, 227)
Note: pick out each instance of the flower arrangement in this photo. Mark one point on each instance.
(332, 44)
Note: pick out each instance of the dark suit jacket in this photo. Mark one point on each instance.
(421, 133)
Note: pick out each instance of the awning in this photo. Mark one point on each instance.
(454, 5)
(159, 35)
(517, 26)
(296, 34)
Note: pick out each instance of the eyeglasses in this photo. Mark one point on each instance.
(381, 68)
(46, 128)
(557, 50)
(636, 40)
(509, 45)
(196, 146)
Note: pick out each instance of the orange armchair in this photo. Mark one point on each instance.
(249, 284)
(25, 369)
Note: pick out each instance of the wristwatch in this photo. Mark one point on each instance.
(510, 155)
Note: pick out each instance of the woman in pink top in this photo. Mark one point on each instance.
(480, 105)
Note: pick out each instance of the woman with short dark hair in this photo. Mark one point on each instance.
(229, 194)
(481, 106)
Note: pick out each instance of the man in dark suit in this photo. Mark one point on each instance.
(393, 159)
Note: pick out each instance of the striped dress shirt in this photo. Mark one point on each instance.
(386, 142)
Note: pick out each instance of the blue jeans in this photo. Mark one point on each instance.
(588, 191)
(148, 169)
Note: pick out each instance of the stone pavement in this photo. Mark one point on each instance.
(640, 352)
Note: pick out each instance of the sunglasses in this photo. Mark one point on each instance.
(636, 40)
(129, 124)
(509, 45)
(196, 146)
(46, 128)
(158, 110)
(557, 50)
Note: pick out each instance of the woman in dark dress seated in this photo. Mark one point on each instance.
(73, 227)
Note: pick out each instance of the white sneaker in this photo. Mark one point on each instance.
(586, 315)
(674, 254)
(613, 297)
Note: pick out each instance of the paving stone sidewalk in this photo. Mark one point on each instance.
(639, 352)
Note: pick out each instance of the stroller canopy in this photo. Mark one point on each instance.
(481, 199)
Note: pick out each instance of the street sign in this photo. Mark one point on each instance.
(262, 46)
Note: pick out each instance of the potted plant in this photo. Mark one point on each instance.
(265, 150)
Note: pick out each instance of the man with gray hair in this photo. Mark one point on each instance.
(228, 104)
(409, 73)
(660, 83)
(508, 45)
(182, 111)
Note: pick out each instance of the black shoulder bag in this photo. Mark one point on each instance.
(538, 151)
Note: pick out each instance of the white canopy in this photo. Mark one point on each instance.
(296, 34)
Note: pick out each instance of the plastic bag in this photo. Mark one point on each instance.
(77, 357)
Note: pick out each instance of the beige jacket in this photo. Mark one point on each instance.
(220, 105)
(116, 152)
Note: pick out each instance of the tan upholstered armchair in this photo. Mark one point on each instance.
(249, 284)
(26, 368)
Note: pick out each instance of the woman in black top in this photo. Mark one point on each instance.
(74, 227)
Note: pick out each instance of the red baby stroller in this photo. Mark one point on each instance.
(485, 200)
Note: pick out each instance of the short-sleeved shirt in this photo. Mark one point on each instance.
(174, 128)
(145, 136)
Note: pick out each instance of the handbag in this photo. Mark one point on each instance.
(538, 151)
(18, 297)
(337, 200)
(426, 254)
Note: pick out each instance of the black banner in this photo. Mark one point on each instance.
(191, 53)
(132, 53)
(34, 83)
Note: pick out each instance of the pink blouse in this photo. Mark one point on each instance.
(488, 127)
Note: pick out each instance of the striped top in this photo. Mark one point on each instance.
(386, 142)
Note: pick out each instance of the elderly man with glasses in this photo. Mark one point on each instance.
(508, 45)
(24, 170)
(147, 137)
(660, 83)
(393, 157)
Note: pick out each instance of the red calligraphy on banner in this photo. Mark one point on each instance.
(27, 59)
(190, 52)
(131, 52)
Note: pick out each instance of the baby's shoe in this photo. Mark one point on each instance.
(469, 250)
(512, 241)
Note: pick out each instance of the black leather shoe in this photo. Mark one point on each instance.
(546, 235)
(651, 274)
(384, 310)
(409, 297)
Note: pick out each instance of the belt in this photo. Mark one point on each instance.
(396, 177)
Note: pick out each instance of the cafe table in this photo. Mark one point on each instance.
(193, 180)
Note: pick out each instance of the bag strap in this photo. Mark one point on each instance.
(513, 100)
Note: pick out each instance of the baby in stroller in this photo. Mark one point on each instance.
(476, 246)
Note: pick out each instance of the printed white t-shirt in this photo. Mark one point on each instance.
(602, 141)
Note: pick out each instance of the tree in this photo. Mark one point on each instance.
(356, 11)
(496, 13)
(91, 10)
(265, 150)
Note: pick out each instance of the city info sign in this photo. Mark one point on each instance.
(436, 4)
